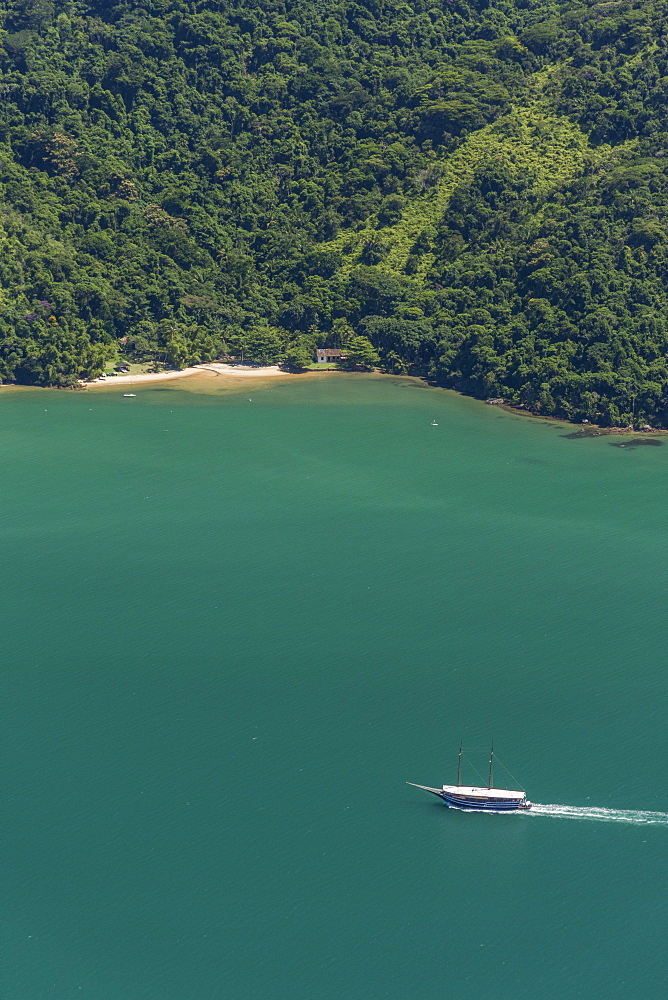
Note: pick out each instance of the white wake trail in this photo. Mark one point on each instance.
(599, 814)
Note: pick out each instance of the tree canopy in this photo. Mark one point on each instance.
(474, 193)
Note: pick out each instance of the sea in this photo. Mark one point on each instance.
(237, 619)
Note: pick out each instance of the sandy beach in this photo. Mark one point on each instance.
(213, 369)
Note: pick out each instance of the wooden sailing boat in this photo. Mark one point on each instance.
(474, 797)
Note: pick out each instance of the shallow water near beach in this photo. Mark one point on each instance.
(235, 623)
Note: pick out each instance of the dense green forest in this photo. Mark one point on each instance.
(474, 193)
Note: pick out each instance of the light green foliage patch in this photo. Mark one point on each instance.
(547, 149)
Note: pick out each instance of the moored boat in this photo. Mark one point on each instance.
(476, 796)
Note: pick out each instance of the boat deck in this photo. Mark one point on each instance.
(483, 792)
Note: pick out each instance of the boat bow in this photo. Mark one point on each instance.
(426, 788)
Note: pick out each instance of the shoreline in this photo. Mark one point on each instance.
(582, 430)
(234, 372)
(213, 368)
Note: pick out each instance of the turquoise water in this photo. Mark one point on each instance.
(232, 630)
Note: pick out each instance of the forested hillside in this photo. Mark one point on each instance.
(479, 193)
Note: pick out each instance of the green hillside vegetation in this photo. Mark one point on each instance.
(547, 149)
(474, 194)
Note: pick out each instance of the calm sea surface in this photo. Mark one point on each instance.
(232, 630)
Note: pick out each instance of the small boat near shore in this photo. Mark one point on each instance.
(479, 797)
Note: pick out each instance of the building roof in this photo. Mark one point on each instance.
(333, 352)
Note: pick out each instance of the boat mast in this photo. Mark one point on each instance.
(459, 765)
(491, 765)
